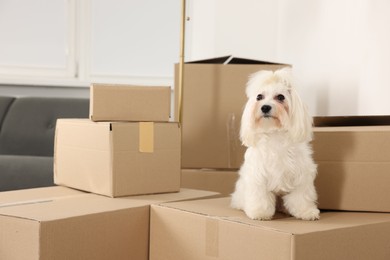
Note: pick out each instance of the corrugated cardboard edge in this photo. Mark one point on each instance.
(91, 94)
(221, 218)
(56, 134)
(230, 59)
(36, 201)
(112, 180)
(257, 223)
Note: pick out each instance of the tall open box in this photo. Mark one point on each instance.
(213, 101)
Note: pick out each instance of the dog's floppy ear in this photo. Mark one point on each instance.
(300, 127)
(247, 131)
(300, 121)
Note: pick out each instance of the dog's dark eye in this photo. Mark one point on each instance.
(280, 98)
(259, 97)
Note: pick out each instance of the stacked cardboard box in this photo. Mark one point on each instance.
(213, 101)
(210, 229)
(137, 152)
(62, 223)
(127, 147)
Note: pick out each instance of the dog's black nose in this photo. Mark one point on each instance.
(265, 109)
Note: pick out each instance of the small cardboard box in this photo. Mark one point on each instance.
(211, 180)
(213, 101)
(353, 163)
(210, 229)
(129, 103)
(60, 223)
(117, 158)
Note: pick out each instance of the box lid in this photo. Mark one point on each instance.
(230, 59)
(117, 102)
(64, 204)
(10, 197)
(219, 209)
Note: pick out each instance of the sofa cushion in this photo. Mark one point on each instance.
(28, 127)
(22, 172)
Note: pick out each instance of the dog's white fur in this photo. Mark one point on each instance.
(278, 159)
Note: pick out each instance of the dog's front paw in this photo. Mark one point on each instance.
(259, 214)
(310, 214)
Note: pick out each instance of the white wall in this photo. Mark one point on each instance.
(246, 28)
(339, 48)
(74, 43)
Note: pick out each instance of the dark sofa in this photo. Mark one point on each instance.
(27, 126)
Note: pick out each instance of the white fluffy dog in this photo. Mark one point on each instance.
(276, 129)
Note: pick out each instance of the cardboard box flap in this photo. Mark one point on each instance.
(229, 60)
(62, 207)
(323, 121)
(219, 209)
(8, 197)
(84, 134)
(184, 194)
(66, 207)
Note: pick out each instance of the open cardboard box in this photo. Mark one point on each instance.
(61, 223)
(210, 229)
(117, 158)
(213, 101)
(353, 157)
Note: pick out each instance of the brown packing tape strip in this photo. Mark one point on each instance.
(212, 238)
(146, 137)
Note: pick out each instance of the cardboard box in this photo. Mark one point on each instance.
(219, 181)
(61, 223)
(353, 165)
(213, 101)
(209, 229)
(110, 102)
(117, 158)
